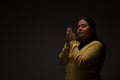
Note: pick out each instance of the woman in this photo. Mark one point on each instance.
(83, 59)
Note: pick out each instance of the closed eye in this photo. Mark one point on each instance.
(82, 25)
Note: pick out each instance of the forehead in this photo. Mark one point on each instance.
(82, 21)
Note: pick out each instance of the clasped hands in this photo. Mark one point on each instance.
(70, 35)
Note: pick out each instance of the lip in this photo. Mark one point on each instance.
(80, 32)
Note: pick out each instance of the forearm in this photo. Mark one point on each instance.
(65, 54)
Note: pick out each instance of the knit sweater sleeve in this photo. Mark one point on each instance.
(65, 54)
(89, 55)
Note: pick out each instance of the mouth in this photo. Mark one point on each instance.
(80, 32)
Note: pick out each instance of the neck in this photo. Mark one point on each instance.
(84, 42)
(85, 39)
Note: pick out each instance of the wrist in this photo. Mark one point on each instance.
(74, 43)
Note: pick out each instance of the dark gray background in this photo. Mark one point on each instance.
(33, 34)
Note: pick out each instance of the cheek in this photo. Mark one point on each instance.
(87, 31)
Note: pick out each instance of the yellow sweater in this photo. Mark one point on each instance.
(84, 64)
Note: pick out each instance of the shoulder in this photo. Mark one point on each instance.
(96, 43)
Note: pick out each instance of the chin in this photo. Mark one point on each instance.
(81, 35)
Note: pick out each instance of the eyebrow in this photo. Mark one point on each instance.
(82, 24)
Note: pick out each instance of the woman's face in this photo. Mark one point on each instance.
(83, 29)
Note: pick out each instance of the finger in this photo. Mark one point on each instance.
(70, 31)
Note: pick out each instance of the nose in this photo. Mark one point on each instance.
(79, 29)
